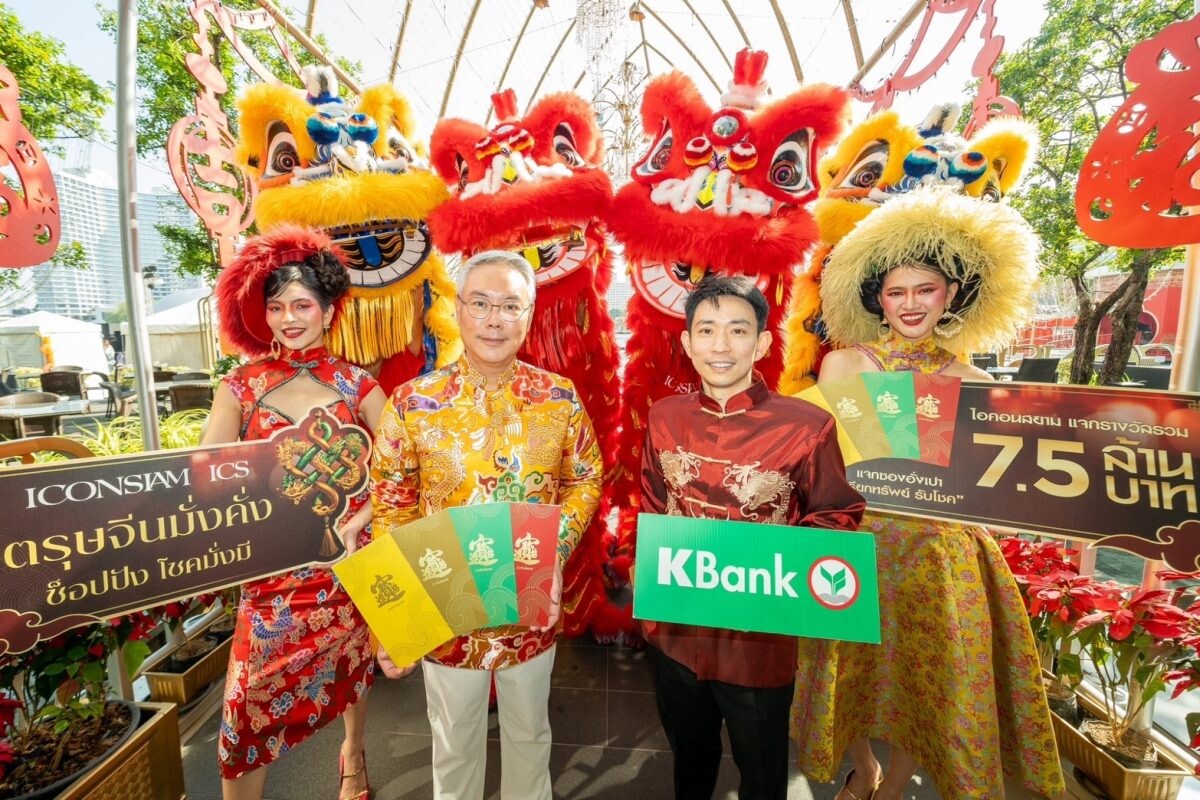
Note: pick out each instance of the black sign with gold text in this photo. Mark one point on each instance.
(95, 538)
(1114, 466)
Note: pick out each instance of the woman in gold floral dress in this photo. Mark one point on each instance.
(954, 687)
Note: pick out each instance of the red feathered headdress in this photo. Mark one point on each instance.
(240, 303)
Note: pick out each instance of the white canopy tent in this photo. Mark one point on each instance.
(177, 336)
(71, 341)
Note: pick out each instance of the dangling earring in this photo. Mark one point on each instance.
(884, 328)
(275, 348)
(949, 324)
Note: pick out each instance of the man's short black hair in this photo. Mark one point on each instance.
(715, 286)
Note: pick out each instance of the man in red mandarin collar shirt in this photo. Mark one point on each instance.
(735, 450)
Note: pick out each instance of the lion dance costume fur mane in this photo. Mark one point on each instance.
(535, 186)
(882, 159)
(720, 190)
(353, 173)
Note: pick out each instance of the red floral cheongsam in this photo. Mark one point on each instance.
(301, 651)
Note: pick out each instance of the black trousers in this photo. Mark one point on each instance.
(691, 711)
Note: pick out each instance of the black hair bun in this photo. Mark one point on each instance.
(330, 274)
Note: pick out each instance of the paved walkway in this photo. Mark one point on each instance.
(607, 742)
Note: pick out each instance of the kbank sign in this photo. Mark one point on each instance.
(745, 576)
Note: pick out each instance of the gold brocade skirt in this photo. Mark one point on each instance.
(956, 681)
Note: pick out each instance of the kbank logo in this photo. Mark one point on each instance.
(833, 583)
(700, 569)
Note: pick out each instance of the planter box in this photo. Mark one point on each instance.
(1117, 780)
(183, 687)
(148, 766)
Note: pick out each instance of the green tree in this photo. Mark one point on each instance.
(190, 249)
(1068, 81)
(58, 99)
(120, 313)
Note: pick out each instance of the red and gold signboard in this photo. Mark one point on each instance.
(1114, 466)
(91, 539)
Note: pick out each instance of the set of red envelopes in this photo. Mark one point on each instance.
(462, 569)
(891, 415)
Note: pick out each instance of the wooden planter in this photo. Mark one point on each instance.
(148, 766)
(1118, 781)
(183, 687)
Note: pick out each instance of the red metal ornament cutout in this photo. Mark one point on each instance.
(1138, 176)
(30, 224)
(200, 147)
(988, 101)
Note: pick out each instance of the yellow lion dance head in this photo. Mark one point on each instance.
(353, 172)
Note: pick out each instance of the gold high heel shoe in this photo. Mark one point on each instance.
(846, 788)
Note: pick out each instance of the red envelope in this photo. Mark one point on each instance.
(535, 529)
(937, 408)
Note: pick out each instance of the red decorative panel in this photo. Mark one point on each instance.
(29, 221)
(1139, 175)
(200, 148)
(988, 102)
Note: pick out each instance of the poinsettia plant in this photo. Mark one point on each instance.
(1137, 641)
(1133, 643)
(1055, 595)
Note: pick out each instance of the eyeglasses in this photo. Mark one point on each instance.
(478, 308)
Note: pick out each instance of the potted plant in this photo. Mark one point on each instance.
(1134, 642)
(197, 661)
(1056, 597)
(58, 717)
(1140, 639)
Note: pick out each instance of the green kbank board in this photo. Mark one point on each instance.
(751, 577)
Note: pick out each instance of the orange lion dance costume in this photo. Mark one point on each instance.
(720, 190)
(353, 173)
(534, 186)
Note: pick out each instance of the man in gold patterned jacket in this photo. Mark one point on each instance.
(489, 428)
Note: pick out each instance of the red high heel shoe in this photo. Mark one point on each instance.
(342, 775)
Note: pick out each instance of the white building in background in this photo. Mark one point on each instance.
(89, 208)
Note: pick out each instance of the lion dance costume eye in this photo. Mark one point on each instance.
(882, 159)
(352, 173)
(721, 190)
(534, 185)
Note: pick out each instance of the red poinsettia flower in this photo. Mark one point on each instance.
(1069, 596)
(1184, 679)
(1169, 575)
(1164, 621)
(1028, 559)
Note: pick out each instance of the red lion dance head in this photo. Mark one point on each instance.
(534, 185)
(720, 190)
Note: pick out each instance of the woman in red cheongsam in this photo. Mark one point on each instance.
(302, 654)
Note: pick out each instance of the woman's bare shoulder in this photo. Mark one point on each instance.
(844, 363)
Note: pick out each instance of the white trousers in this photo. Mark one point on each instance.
(457, 700)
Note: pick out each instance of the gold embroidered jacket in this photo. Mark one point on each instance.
(445, 441)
